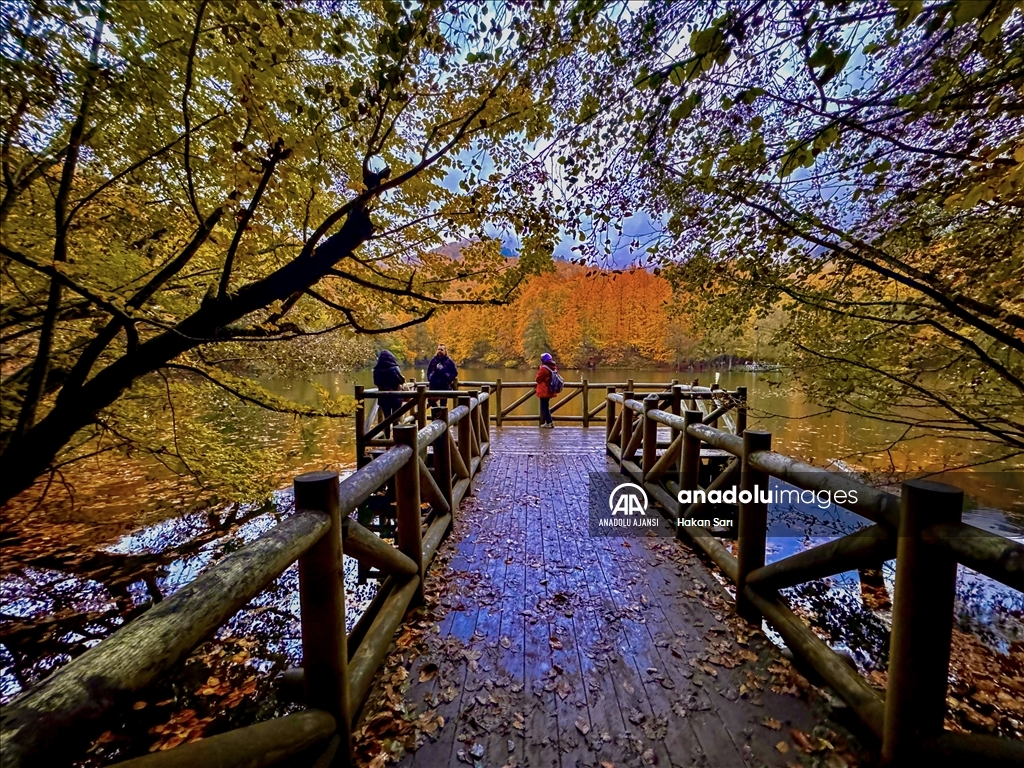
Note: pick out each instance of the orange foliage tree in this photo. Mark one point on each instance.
(582, 316)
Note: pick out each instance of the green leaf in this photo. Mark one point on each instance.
(748, 96)
(822, 56)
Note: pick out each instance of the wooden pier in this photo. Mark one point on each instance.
(524, 640)
(558, 648)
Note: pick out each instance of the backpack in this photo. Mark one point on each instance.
(557, 382)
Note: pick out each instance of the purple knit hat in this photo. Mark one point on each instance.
(546, 358)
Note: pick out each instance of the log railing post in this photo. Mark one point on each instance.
(922, 621)
(649, 453)
(741, 410)
(629, 385)
(485, 416)
(689, 456)
(586, 403)
(360, 426)
(322, 605)
(609, 412)
(479, 423)
(712, 407)
(626, 433)
(497, 403)
(466, 441)
(421, 404)
(409, 522)
(676, 409)
(443, 459)
(474, 427)
(752, 527)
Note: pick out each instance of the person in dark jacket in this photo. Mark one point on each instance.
(544, 393)
(387, 377)
(441, 371)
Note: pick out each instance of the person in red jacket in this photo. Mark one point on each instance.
(547, 367)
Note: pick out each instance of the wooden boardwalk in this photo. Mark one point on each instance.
(541, 645)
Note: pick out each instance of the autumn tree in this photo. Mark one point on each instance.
(858, 166)
(581, 315)
(178, 175)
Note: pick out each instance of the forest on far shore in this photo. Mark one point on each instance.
(587, 318)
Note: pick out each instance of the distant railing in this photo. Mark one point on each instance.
(921, 528)
(695, 394)
(421, 463)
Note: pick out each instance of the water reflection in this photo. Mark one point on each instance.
(50, 616)
(847, 609)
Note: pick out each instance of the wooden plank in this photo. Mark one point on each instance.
(511, 574)
(541, 729)
(601, 640)
(559, 603)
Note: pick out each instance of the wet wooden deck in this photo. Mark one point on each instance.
(541, 645)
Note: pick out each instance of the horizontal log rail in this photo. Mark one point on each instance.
(920, 528)
(505, 411)
(385, 423)
(408, 394)
(264, 744)
(422, 465)
(636, 387)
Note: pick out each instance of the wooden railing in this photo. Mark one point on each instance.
(45, 725)
(373, 428)
(501, 413)
(921, 528)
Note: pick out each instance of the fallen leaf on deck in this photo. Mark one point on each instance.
(802, 741)
(771, 722)
(428, 672)
(783, 747)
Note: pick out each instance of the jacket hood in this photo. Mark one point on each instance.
(386, 359)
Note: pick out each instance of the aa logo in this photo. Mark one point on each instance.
(629, 499)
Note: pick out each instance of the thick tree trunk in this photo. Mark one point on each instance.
(29, 456)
